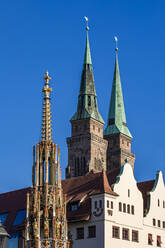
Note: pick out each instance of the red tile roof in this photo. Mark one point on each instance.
(78, 189)
(11, 203)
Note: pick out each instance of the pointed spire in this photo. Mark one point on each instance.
(87, 101)
(87, 55)
(116, 116)
(46, 121)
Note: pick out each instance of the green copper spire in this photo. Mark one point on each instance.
(87, 101)
(116, 116)
(87, 55)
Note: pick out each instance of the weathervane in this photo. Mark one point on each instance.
(116, 40)
(86, 19)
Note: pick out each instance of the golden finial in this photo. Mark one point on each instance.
(47, 77)
(116, 40)
(86, 19)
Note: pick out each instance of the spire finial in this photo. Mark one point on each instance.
(116, 40)
(47, 78)
(46, 121)
(86, 19)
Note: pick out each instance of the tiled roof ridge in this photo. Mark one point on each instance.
(92, 172)
(76, 189)
(147, 181)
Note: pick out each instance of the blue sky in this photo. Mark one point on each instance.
(49, 35)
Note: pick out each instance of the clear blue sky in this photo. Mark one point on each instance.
(37, 35)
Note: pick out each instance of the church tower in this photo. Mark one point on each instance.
(46, 224)
(117, 133)
(86, 146)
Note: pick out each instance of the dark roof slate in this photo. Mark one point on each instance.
(145, 188)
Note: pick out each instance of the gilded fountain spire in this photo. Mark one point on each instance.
(46, 222)
(46, 121)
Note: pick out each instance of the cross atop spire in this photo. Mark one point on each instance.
(46, 121)
(116, 116)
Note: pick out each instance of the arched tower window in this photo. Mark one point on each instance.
(89, 101)
(84, 163)
(95, 101)
(78, 167)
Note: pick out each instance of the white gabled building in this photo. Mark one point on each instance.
(121, 219)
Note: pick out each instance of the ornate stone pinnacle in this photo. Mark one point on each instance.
(46, 121)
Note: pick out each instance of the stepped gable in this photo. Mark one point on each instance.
(145, 187)
(11, 203)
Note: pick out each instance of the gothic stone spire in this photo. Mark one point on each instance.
(87, 100)
(86, 146)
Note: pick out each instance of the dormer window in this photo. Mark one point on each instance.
(3, 218)
(74, 207)
(21, 214)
